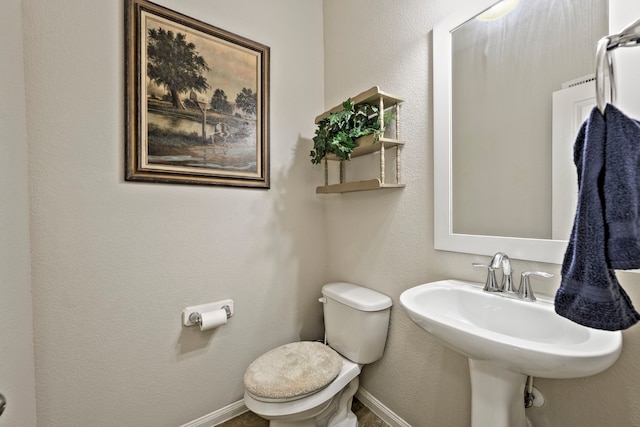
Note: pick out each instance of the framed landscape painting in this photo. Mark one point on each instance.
(197, 101)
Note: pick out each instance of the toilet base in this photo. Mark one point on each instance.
(337, 413)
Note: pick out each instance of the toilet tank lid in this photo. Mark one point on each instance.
(355, 296)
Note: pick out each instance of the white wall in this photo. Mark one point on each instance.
(114, 262)
(385, 239)
(627, 61)
(17, 379)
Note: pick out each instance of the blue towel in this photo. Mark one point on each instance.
(622, 190)
(606, 231)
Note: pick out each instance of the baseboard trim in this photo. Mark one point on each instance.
(378, 408)
(239, 408)
(218, 417)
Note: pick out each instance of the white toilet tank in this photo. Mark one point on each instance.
(356, 321)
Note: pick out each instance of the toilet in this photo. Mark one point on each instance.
(311, 384)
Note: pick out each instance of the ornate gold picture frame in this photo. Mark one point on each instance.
(197, 101)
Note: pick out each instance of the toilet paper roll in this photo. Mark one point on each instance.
(213, 319)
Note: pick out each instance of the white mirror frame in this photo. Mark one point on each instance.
(542, 250)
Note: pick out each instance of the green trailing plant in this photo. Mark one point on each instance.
(337, 133)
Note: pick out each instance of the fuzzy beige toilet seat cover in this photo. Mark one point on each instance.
(292, 371)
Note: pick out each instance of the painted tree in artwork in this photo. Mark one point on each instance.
(173, 62)
(246, 101)
(219, 102)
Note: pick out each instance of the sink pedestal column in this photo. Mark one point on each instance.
(497, 395)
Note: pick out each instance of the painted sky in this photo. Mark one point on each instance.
(232, 67)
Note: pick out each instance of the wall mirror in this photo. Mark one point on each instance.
(495, 82)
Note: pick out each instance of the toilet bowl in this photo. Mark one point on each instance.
(310, 384)
(307, 410)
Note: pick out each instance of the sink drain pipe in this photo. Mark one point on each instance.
(528, 392)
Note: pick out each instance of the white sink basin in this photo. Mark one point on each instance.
(523, 337)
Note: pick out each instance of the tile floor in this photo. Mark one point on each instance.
(366, 418)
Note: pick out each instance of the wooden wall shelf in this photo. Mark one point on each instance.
(346, 187)
(371, 97)
(383, 101)
(367, 146)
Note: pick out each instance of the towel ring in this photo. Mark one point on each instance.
(603, 55)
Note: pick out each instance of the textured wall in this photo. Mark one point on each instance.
(17, 378)
(114, 262)
(371, 43)
(385, 240)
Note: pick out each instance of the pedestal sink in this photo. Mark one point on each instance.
(506, 340)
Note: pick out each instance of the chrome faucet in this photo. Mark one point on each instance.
(506, 285)
(501, 260)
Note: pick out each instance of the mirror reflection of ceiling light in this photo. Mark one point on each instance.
(498, 10)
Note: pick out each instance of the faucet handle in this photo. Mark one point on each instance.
(525, 292)
(491, 285)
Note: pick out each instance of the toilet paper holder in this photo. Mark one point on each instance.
(196, 318)
(192, 315)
